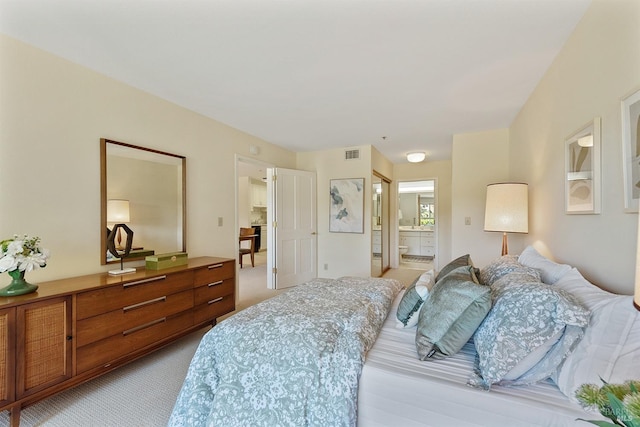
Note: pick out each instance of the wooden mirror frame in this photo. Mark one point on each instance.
(103, 195)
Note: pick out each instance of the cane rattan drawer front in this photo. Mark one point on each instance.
(43, 344)
(204, 294)
(115, 322)
(111, 298)
(108, 350)
(7, 355)
(214, 308)
(214, 273)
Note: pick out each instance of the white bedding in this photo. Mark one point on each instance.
(397, 389)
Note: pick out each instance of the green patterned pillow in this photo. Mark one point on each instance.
(529, 318)
(462, 261)
(502, 266)
(412, 300)
(455, 308)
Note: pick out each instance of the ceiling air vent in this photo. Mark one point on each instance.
(352, 154)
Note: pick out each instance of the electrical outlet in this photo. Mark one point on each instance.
(326, 266)
(467, 220)
(219, 221)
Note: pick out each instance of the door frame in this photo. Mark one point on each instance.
(396, 222)
(243, 159)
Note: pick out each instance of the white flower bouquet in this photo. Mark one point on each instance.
(22, 254)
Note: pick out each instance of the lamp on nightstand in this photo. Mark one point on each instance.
(507, 210)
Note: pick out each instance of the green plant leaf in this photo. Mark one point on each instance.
(620, 411)
(598, 423)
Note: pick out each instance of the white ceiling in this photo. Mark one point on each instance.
(316, 74)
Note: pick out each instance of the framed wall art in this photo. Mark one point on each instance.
(582, 170)
(631, 150)
(347, 205)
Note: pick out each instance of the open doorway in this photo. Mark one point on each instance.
(251, 212)
(417, 224)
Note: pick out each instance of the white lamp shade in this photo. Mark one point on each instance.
(507, 208)
(117, 211)
(416, 157)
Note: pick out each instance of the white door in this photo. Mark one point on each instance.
(291, 219)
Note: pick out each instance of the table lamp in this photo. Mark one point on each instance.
(507, 210)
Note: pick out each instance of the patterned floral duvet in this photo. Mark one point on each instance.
(293, 360)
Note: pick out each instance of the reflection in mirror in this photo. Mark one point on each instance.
(380, 260)
(417, 224)
(582, 160)
(416, 202)
(376, 228)
(145, 189)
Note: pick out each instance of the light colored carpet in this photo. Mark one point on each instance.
(406, 276)
(142, 393)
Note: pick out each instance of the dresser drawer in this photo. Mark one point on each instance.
(106, 351)
(214, 273)
(214, 308)
(116, 297)
(114, 322)
(204, 294)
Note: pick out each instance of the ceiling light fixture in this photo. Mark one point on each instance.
(416, 157)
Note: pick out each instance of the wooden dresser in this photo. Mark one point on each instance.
(75, 329)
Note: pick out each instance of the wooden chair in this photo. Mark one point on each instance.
(247, 234)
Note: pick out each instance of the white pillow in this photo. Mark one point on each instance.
(587, 293)
(412, 301)
(550, 272)
(610, 348)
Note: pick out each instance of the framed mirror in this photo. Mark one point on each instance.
(145, 189)
(582, 170)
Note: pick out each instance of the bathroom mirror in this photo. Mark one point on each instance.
(149, 188)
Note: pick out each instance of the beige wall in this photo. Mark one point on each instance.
(440, 171)
(342, 253)
(52, 116)
(598, 66)
(478, 159)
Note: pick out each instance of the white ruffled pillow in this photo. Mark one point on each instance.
(610, 348)
(550, 272)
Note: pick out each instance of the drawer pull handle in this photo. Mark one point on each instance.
(140, 282)
(213, 301)
(141, 327)
(142, 304)
(211, 267)
(219, 282)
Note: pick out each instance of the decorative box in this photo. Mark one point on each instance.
(160, 261)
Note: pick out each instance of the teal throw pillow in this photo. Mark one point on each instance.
(462, 261)
(456, 306)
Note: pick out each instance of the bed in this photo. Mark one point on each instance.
(339, 353)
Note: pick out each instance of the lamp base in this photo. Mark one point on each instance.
(122, 271)
(505, 245)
